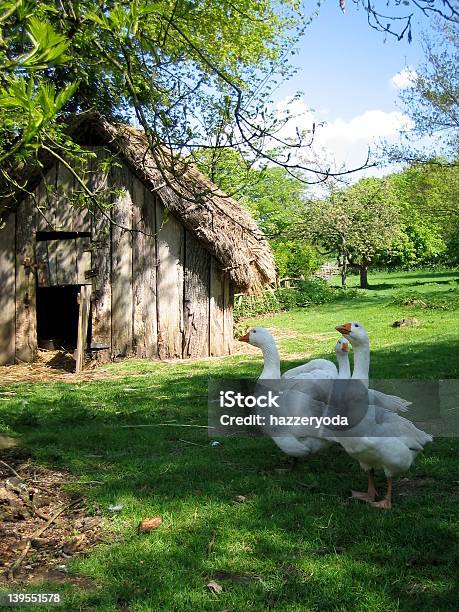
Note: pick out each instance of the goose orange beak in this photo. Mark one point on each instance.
(344, 329)
(345, 348)
(245, 337)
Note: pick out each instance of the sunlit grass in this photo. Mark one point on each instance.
(297, 542)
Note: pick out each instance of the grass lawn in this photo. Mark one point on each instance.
(298, 542)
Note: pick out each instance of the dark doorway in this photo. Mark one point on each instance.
(57, 317)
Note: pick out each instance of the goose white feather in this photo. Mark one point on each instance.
(381, 439)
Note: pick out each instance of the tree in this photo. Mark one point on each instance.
(428, 198)
(432, 101)
(355, 224)
(191, 74)
(274, 197)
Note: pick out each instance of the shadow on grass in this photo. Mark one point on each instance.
(297, 539)
(438, 359)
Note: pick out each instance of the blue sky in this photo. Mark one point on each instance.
(345, 72)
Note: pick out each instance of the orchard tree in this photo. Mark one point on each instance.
(355, 223)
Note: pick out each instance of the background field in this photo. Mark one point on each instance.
(297, 542)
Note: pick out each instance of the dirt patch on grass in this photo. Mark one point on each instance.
(42, 526)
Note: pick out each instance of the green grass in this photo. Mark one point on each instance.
(298, 543)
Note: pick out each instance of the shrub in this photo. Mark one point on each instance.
(308, 293)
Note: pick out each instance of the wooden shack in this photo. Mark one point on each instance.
(153, 275)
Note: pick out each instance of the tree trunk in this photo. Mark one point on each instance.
(342, 264)
(344, 272)
(363, 269)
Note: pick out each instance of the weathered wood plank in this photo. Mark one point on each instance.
(66, 261)
(216, 318)
(101, 263)
(83, 320)
(44, 199)
(145, 338)
(7, 292)
(196, 299)
(82, 218)
(83, 260)
(26, 315)
(63, 211)
(169, 292)
(42, 264)
(122, 264)
(51, 248)
(228, 298)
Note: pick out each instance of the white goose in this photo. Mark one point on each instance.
(381, 439)
(289, 444)
(393, 403)
(342, 357)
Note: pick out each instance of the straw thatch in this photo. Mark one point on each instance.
(224, 228)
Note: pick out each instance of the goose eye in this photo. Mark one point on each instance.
(356, 325)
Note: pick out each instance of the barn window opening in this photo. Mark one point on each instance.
(57, 317)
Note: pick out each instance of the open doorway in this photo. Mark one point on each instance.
(57, 317)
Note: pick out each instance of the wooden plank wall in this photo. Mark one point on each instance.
(145, 324)
(101, 307)
(26, 297)
(216, 314)
(196, 299)
(169, 284)
(156, 291)
(53, 212)
(7, 292)
(121, 272)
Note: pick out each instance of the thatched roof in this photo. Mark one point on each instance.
(222, 225)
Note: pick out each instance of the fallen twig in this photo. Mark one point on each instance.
(12, 470)
(189, 442)
(37, 534)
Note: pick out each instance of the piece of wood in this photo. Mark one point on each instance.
(145, 339)
(121, 275)
(83, 260)
(216, 318)
(83, 320)
(228, 299)
(65, 260)
(43, 277)
(64, 212)
(101, 262)
(196, 299)
(26, 312)
(169, 284)
(7, 292)
(45, 202)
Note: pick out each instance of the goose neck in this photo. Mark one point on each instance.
(271, 367)
(361, 362)
(344, 368)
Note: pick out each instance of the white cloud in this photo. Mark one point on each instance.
(403, 79)
(342, 142)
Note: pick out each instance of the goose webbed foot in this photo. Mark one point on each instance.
(385, 503)
(368, 496)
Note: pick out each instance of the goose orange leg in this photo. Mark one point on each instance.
(367, 496)
(385, 503)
